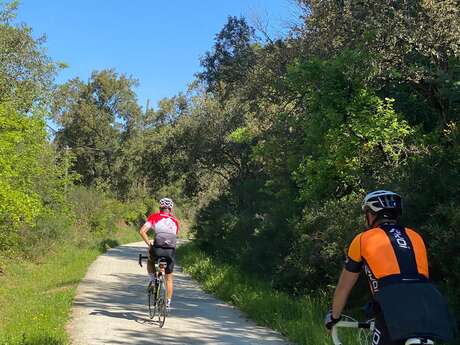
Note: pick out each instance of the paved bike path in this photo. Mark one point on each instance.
(110, 308)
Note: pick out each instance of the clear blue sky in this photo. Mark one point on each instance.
(159, 42)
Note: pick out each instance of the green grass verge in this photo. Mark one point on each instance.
(299, 319)
(36, 298)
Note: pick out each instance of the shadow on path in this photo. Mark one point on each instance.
(111, 308)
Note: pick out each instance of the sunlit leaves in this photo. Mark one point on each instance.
(21, 148)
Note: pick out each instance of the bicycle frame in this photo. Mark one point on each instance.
(157, 296)
(160, 266)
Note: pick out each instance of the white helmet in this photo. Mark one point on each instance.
(382, 200)
(166, 203)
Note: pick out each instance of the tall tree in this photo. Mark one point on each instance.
(410, 43)
(99, 119)
(233, 55)
(26, 72)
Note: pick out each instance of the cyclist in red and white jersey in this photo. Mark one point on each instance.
(166, 228)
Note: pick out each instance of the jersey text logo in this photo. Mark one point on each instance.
(399, 238)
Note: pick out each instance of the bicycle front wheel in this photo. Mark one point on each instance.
(153, 300)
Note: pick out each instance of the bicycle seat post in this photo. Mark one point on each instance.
(160, 266)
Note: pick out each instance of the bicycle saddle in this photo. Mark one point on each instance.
(419, 341)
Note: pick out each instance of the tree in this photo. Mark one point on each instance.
(30, 176)
(413, 46)
(233, 55)
(100, 120)
(26, 72)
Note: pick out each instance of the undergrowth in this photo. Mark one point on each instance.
(300, 319)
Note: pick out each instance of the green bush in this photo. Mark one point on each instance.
(134, 212)
(84, 202)
(319, 245)
(23, 149)
(100, 212)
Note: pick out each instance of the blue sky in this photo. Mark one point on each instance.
(159, 42)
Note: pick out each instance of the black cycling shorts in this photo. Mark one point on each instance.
(380, 335)
(168, 253)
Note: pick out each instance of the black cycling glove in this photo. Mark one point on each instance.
(330, 321)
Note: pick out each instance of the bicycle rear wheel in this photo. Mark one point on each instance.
(162, 312)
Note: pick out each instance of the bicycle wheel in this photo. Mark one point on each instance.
(153, 299)
(162, 312)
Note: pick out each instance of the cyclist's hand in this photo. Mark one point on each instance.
(330, 321)
(150, 244)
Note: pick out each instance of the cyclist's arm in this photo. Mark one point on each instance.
(346, 282)
(349, 276)
(143, 232)
(176, 221)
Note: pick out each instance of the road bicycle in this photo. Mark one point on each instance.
(156, 291)
(365, 333)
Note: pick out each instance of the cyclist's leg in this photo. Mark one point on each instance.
(169, 285)
(169, 255)
(169, 272)
(151, 263)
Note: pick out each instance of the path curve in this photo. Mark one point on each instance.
(109, 308)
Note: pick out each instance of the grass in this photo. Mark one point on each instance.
(36, 298)
(299, 319)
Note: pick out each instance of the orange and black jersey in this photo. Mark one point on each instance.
(388, 254)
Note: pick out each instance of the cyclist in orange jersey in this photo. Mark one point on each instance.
(394, 259)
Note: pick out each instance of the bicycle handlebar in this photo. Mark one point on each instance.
(140, 259)
(347, 324)
(370, 325)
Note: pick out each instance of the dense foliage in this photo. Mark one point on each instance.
(360, 96)
(30, 181)
(41, 202)
(273, 146)
(278, 140)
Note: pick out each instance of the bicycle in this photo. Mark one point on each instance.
(156, 291)
(365, 338)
